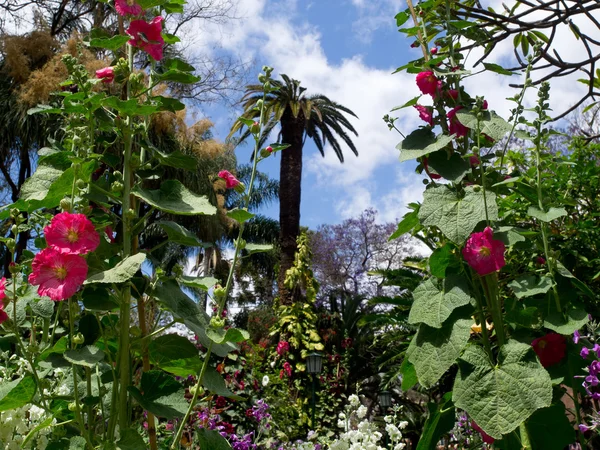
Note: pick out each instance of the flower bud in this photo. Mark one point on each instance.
(72, 406)
(476, 188)
(14, 213)
(434, 51)
(14, 268)
(255, 128)
(10, 244)
(118, 175)
(219, 293)
(80, 184)
(14, 230)
(116, 186)
(66, 205)
(78, 338)
(130, 214)
(135, 331)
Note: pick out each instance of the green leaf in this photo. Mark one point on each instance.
(441, 259)
(77, 443)
(162, 395)
(258, 248)
(401, 18)
(456, 217)
(529, 285)
(204, 283)
(43, 307)
(519, 314)
(170, 104)
(550, 429)
(552, 214)
(454, 168)
(122, 272)
(435, 300)
(37, 186)
(439, 422)
(174, 198)
(87, 356)
(129, 107)
(175, 354)
(509, 236)
(491, 124)
(221, 335)
(421, 142)
(97, 298)
(408, 222)
(178, 76)
(433, 350)
(412, 102)
(130, 440)
(180, 235)
(240, 215)
(35, 430)
(112, 43)
(566, 322)
(170, 38)
(214, 382)
(497, 69)
(409, 375)
(177, 64)
(211, 439)
(59, 347)
(500, 396)
(17, 393)
(176, 159)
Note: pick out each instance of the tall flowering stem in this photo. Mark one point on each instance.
(222, 296)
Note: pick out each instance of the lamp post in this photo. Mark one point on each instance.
(385, 401)
(314, 365)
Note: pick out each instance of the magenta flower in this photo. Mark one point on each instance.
(107, 75)
(147, 36)
(287, 367)
(425, 113)
(282, 348)
(483, 253)
(72, 233)
(230, 180)
(484, 436)
(474, 161)
(128, 8)
(455, 127)
(551, 348)
(58, 275)
(428, 83)
(584, 353)
(576, 337)
(2, 288)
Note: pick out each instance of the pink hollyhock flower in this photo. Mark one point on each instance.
(107, 75)
(425, 113)
(287, 368)
(434, 50)
(551, 349)
(483, 253)
(269, 149)
(128, 7)
(282, 348)
(484, 104)
(434, 176)
(455, 127)
(72, 233)
(453, 94)
(147, 36)
(474, 161)
(58, 275)
(2, 288)
(230, 180)
(428, 83)
(484, 436)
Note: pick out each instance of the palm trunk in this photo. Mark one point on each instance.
(290, 186)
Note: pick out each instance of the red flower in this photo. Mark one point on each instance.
(425, 113)
(230, 180)
(282, 348)
(147, 36)
(220, 402)
(58, 275)
(434, 50)
(453, 94)
(347, 343)
(128, 7)
(483, 253)
(3, 315)
(486, 438)
(428, 83)
(72, 233)
(455, 127)
(474, 161)
(287, 367)
(550, 349)
(107, 75)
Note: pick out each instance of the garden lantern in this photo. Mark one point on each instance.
(314, 365)
(385, 400)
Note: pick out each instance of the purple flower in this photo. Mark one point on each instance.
(583, 428)
(584, 353)
(597, 350)
(576, 336)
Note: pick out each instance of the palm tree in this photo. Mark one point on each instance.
(300, 116)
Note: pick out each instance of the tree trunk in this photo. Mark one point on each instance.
(290, 186)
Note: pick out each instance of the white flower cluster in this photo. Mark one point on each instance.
(17, 423)
(361, 434)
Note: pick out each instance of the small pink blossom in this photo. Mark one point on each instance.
(128, 8)
(72, 233)
(230, 180)
(483, 253)
(428, 83)
(283, 347)
(107, 75)
(147, 36)
(58, 275)
(425, 113)
(455, 127)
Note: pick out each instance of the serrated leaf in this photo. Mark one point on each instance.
(529, 285)
(177, 64)
(77, 443)
(204, 283)
(441, 259)
(549, 216)
(180, 235)
(175, 354)
(176, 159)
(130, 440)
(566, 322)
(421, 142)
(456, 216)
(240, 215)
(408, 222)
(491, 124)
(409, 375)
(434, 350)
(17, 393)
(509, 236)
(498, 397)
(87, 356)
(258, 248)
(214, 382)
(178, 76)
(122, 272)
(454, 168)
(174, 198)
(129, 107)
(435, 300)
(221, 335)
(550, 429)
(211, 439)
(112, 43)
(162, 395)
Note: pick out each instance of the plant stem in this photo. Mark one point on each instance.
(146, 368)
(490, 282)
